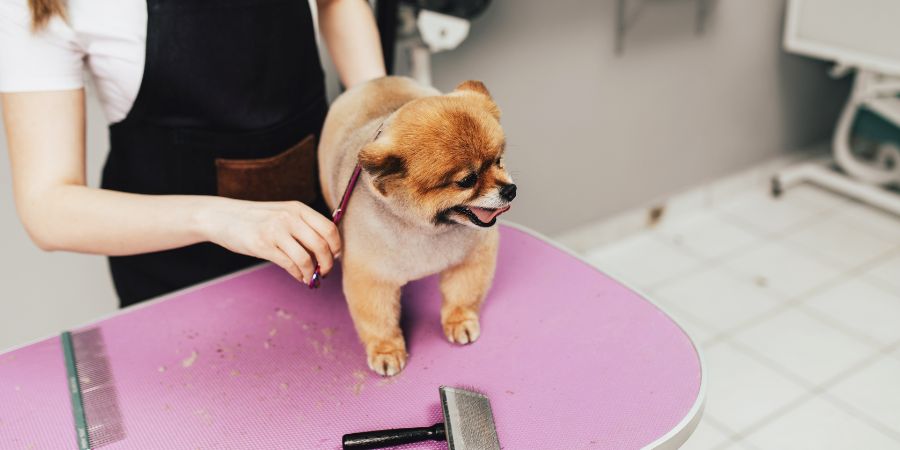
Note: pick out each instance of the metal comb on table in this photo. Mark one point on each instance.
(468, 425)
(95, 403)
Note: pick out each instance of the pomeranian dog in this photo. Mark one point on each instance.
(431, 188)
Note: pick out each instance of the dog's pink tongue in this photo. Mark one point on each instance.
(487, 215)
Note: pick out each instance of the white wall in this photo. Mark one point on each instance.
(589, 133)
(43, 293)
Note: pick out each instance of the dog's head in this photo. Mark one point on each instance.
(439, 160)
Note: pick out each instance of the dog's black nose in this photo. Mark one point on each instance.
(508, 192)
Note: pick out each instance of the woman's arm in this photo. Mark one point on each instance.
(46, 138)
(349, 31)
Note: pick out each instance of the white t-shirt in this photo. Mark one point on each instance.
(106, 38)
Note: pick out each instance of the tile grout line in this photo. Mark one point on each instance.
(878, 281)
(819, 213)
(861, 415)
(741, 436)
(781, 234)
(812, 390)
(804, 308)
(800, 299)
(885, 351)
(785, 302)
(763, 235)
(656, 235)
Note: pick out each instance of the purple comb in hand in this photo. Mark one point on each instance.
(339, 212)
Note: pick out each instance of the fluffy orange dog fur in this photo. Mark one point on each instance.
(432, 186)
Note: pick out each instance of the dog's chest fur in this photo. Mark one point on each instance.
(404, 253)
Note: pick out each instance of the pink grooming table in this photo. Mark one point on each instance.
(570, 358)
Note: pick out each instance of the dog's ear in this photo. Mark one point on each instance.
(479, 88)
(384, 166)
(475, 86)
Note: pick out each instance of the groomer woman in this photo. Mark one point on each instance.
(213, 105)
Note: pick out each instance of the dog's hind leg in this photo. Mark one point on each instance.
(464, 287)
(375, 309)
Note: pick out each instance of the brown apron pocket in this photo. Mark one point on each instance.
(289, 175)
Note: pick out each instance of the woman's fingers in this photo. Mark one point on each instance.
(297, 238)
(324, 227)
(315, 244)
(298, 256)
(285, 262)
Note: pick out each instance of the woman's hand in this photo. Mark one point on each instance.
(290, 234)
(61, 213)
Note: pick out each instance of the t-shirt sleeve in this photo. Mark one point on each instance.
(45, 60)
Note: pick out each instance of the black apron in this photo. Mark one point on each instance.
(229, 92)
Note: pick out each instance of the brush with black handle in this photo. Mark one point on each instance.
(468, 425)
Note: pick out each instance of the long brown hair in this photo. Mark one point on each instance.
(44, 10)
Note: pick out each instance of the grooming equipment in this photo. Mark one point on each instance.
(468, 425)
(338, 213)
(95, 405)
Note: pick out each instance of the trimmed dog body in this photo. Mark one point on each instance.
(426, 202)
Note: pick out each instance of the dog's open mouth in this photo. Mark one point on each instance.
(483, 217)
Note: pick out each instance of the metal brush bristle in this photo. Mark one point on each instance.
(468, 419)
(98, 390)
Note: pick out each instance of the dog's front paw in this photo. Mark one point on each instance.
(461, 326)
(387, 358)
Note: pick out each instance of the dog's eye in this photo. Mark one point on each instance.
(468, 181)
(499, 162)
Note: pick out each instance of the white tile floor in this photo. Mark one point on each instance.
(795, 303)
